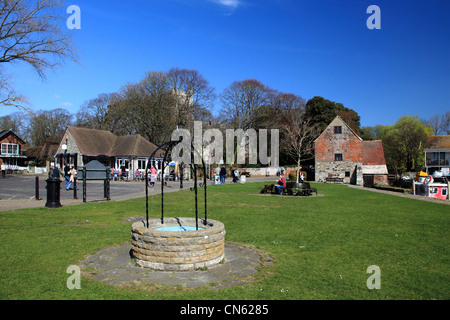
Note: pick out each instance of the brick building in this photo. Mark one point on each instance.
(12, 155)
(341, 153)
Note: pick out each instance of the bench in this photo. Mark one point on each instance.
(292, 188)
(307, 190)
(299, 189)
(334, 179)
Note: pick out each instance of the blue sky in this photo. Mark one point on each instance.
(310, 48)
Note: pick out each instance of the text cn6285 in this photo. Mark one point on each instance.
(246, 309)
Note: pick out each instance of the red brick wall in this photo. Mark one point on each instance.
(346, 143)
(10, 138)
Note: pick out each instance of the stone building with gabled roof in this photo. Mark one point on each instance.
(81, 145)
(341, 153)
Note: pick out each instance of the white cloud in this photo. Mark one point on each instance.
(228, 3)
(66, 104)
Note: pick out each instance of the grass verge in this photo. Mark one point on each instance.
(322, 246)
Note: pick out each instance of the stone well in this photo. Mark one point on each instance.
(177, 250)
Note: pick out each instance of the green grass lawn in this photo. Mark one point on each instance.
(321, 246)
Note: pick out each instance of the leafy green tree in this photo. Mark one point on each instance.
(372, 133)
(322, 111)
(403, 144)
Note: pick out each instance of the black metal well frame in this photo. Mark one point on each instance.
(164, 149)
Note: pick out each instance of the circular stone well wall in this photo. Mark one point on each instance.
(177, 250)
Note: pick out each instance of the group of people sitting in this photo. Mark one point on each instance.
(281, 183)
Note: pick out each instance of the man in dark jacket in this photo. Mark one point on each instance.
(223, 174)
(55, 173)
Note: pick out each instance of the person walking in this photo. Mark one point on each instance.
(223, 174)
(235, 175)
(73, 176)
(67, 176)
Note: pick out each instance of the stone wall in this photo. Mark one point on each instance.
(177, 250)
(71, 148)
(349, 170)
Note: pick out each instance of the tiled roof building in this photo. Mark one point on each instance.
(81, 145)
(437, 154)
(341, 153)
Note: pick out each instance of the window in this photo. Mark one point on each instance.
(10, 148)
(444, 191)
(337, 129)
(432, 158)
(442, 159)
(338, 157)
(142, 164)
(347, 174)
(437, 159)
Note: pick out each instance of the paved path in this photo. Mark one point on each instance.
(403, 195)
(18, 191)
(114, 266)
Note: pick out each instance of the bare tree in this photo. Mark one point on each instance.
(8, 96)
(194, 97)
(439, 123)
(92, 114)
(434, 123)
(31, 32)
(445, 123)
(243, 103)
(18, 122)
(299, 132)
(146, 108)
(49, 125)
